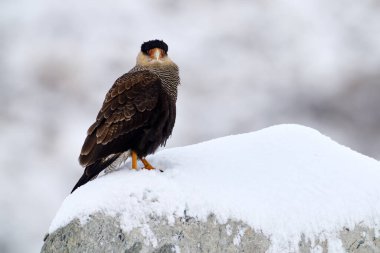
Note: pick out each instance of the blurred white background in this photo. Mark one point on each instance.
(244, 65)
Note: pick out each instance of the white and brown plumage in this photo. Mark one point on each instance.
(137, 115)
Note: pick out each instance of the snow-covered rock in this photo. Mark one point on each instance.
(286, 188)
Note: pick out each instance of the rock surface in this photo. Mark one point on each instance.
(104, 234)
(286, 188)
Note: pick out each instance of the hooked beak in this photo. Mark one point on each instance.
(156, 53)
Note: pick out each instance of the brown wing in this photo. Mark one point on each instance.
(127, 107)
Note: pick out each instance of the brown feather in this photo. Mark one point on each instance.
(88, 144)
(92, 128)
(131, 93)
(137, 113)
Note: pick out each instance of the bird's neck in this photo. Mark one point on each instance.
(168, 74)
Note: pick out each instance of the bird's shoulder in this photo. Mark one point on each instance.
(132, 94)
(131, 83)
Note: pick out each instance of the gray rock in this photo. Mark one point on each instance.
(104, 234)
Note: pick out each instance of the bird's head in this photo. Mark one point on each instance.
(153, 52)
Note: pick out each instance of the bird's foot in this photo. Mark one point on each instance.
(134, 160)
(147, 165)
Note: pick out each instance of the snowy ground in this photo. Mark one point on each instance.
(285, 180)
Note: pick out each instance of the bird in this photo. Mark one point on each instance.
(137, 115)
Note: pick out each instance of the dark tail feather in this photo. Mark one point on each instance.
(93, 170)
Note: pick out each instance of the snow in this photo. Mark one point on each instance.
(311, 62)
(284, 180)
(238, 236)
(228, 229)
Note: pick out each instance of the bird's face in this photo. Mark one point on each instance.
(153, 56)
(156, 54)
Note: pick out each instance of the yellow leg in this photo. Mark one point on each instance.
(147, 165)
(134, 160)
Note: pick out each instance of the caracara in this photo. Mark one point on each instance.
(137, 115)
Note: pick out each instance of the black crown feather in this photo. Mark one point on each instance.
(146, 46)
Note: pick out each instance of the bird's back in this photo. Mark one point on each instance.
(137, 115)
